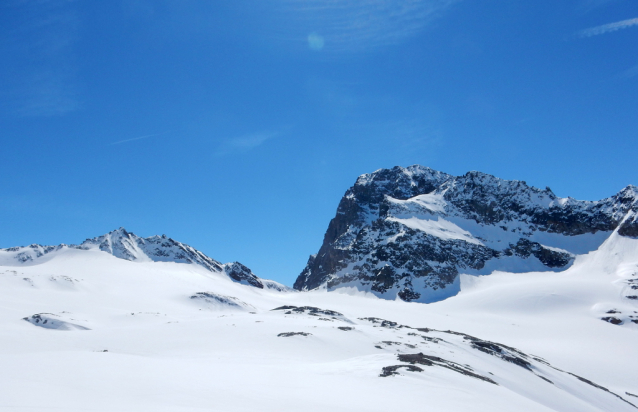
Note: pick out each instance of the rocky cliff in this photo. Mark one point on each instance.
(410, 232)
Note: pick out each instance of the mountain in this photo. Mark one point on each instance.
(126, 245)
(126, 323)
(81, 329)
(409, 232)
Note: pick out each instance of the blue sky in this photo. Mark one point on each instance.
(236, 126)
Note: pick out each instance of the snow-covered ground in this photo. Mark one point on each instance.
(126, 335)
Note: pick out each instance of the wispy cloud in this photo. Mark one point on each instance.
(244, 143)
(139, 138)
(606, 28)
(47, 92)
(350, 25)
(587, 6)
(402, 136)
(628, 74)
(43, 56)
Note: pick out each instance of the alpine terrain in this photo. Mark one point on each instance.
(410, 232)
(126, 245)
(533, 306)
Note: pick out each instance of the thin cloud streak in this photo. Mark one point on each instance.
(352, 25)
(606, 28)
(138, 138)
(587, 6)
(47, 84)
(244, 143)
(628, 74)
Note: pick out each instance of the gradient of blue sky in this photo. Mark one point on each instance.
(236, 126)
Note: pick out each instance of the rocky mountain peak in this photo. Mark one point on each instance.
(240, 273)
(126, 245)
(399, 182)
(628, 195)
(409, 232)
(119, 243)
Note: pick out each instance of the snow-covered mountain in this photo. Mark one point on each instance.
(410, 232)
(121, 322)
(81, 329)
(126, 245)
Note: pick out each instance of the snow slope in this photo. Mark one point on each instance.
(167, 336)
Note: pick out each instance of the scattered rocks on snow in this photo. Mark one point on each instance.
(427, 360)
(53, 321)
(499, 350)
(313, 311)
(612, 320)
(384, 323)
(391, 343)
(421, 359)
(633, 283)
(392, 370)
(289, 334)
(426, 338)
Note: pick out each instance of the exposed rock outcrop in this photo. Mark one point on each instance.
(409, 232)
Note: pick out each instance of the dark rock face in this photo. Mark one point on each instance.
(240, 273)
(409, 232)
(525, 248)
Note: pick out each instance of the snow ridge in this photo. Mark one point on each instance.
(126, 245)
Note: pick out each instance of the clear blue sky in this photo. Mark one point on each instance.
(236, 126)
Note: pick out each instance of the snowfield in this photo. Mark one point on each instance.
(139, 335)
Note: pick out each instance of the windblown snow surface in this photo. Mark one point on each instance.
(164, 336)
